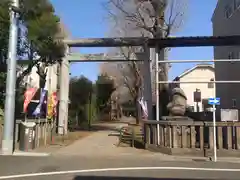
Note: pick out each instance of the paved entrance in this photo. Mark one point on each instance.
(99, 144)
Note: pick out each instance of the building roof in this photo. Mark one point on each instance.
(195, 67)
(215, 10)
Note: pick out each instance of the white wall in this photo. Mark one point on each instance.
(199, 74)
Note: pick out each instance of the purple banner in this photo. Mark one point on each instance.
(37, 111)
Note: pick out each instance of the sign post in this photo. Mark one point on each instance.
(214, 102)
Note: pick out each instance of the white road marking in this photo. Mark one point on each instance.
(116, 169)
(33, 154)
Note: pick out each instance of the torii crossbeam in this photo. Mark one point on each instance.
(152, 42)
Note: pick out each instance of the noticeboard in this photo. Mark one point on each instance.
(229, 115)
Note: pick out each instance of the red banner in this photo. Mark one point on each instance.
(28, 95)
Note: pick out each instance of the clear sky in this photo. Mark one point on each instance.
(87, 18)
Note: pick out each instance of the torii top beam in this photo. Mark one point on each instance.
(100, 57)
(152, 42)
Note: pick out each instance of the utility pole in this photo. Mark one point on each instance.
(9, 109)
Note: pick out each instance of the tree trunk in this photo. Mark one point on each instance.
(138, 110)
(163, 88)
(163, 67)
(164, 100)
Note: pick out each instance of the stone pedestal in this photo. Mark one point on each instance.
(177, 118)
(179, 131)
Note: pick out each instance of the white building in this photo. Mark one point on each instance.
(201, 72)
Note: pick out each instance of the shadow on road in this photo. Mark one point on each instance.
(93, 128)
(130, 178)
(96, 127)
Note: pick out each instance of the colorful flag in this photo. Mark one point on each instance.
(52, 105)
(37, 111)
(28, 95)
(55, 102)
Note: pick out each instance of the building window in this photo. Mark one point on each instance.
(228, 11)
(234, 103)
(211, 84)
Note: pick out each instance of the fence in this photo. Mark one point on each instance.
(192, 137)
(42, 131)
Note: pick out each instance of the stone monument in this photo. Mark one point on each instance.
(178, 104)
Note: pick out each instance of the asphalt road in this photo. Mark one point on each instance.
(37, 168)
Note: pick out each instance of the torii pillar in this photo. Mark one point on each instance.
(148, 82)
(64, 94)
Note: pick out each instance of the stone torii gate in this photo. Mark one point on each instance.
(101, 57)
(124, 42)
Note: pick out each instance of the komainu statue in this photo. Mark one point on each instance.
(178, 104)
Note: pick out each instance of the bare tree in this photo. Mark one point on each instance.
(145, 18)
(127, 77)
(154, 18)
(131, 77)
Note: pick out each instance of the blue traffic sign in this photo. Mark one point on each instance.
(214, 101)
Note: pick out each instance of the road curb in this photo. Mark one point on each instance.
(208, 159)
(33, 154)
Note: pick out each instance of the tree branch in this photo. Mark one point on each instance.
(146, 18)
